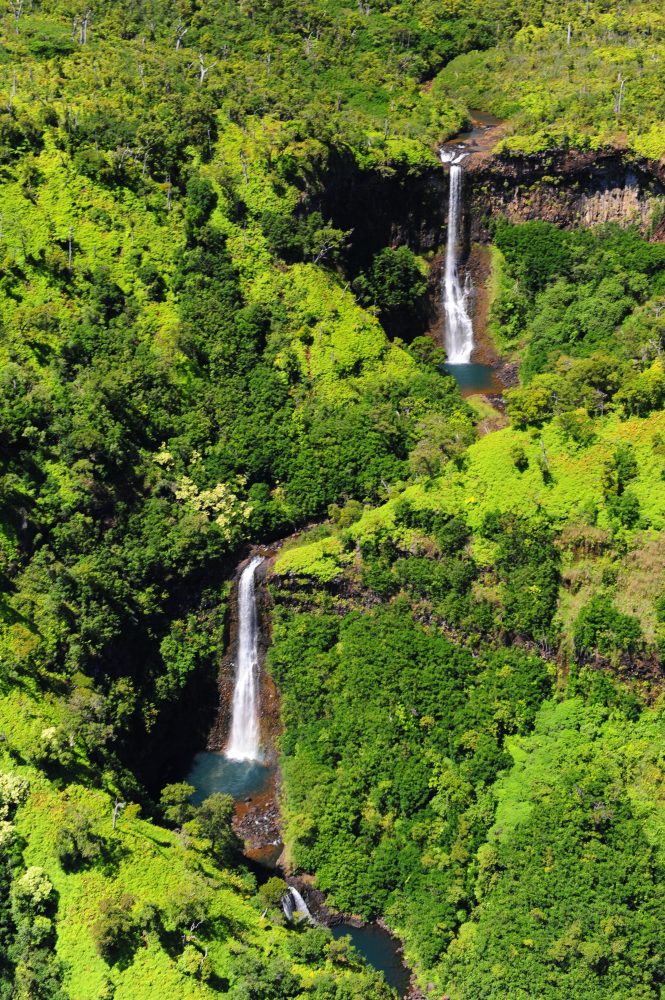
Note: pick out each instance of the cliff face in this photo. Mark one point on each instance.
(569, 189)
(384, 208)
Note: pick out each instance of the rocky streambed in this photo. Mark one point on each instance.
(255, 787)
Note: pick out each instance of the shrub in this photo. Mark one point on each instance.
(114, 930)
(32, 893)
(13, 793)
(76, 841)
(214, 817)
(519, 457)
(175, 802)
(600, 626)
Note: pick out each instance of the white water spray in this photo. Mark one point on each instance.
(292, 903)
(244, 739)
(459, 328)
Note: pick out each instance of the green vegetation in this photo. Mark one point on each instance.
(577, 75)
(468, 671)
(570, 877)
(377, 754)
(582, 294)
(468, 648)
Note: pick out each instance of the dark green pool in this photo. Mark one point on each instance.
(379, 950)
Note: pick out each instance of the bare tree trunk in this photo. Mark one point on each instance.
(618, 95)
(85, 24)
(203, 69)
(16, 7)
(180, 32)
(116, 809)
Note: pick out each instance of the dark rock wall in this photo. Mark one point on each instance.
(384, 208)
(567, 188)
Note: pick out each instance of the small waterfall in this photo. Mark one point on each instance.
(244, 739)
(459, 329)
(293, 903)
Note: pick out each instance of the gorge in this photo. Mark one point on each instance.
(239, 770)
(332, 452)
(242, 747)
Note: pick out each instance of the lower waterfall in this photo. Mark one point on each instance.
(244, 739)
(293, 903)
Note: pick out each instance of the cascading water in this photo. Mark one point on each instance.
(459, 328)
(293, 903)
(244, 738)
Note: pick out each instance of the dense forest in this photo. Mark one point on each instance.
(198, 354)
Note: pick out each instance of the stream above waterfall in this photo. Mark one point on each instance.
(484, 133)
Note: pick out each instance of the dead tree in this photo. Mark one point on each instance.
(116, 809)
(180, 32)
(85, 24)
(618, 95)
(203, 69)
(16, 7)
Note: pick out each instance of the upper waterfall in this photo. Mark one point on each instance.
(459, 328)
(244, 738)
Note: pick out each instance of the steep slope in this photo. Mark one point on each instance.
(194, 357)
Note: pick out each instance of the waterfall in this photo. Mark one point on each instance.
(292, 903)
(244, 739)
(459, 329)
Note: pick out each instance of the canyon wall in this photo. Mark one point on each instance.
(568, 188)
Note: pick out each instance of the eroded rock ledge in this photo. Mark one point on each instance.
(569, 188)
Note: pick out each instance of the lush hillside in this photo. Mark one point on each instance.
(188, 365)
(462, 671)
(577, 75)
(469, 671)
